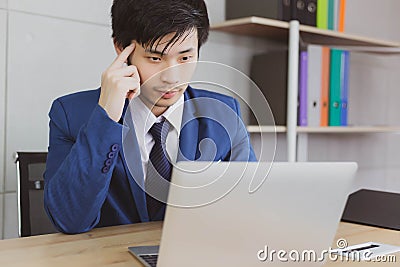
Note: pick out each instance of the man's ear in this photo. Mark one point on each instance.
(118, 48)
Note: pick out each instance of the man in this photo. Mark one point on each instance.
(98, 167)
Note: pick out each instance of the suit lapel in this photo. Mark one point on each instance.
(188, 139)
(133, 166)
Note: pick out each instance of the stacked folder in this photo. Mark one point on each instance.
(331, 14)
(323, 87)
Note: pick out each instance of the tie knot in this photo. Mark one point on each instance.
(159, 131)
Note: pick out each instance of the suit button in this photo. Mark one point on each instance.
(105, 169)
(114, 147)
(108, 162)
(111, 155)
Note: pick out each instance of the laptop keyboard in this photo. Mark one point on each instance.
(151, 259)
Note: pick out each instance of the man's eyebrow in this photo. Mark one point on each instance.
(153, 51)
(186, 51)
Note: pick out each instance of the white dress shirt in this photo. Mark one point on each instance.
(143, 120)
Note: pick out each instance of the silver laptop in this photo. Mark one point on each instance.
(238, 213)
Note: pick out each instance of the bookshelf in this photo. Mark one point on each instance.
(294, 34)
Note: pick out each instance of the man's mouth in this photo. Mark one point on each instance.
(169, 94)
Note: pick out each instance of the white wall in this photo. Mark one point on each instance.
(54, 57)
(3, 35)
(54, 48)
(92, 11)
(378, 19)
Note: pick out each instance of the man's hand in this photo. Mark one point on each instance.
(117, 83)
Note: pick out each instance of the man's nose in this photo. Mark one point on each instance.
(170, 75)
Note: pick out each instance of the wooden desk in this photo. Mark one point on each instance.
(108, 246)
(356, 234)
(99, 247)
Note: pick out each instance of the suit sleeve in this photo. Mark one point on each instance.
(78, 172)
(242, 149)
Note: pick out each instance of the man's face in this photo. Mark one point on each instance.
(164, 78)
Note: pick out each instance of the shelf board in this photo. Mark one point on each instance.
(266, 129)
(255, 26)
(338, 129)
(278, 30)
(350, 129)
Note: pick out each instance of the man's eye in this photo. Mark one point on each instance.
(186, 58)
(155, 59)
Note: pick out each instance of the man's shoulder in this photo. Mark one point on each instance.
(82, 97)
(197, 93)
(76, 107)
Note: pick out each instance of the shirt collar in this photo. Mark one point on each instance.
(174, 114)
(144, 119)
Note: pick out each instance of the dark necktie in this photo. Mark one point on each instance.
(158, 172)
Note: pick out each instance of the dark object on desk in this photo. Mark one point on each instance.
(32, 217)
(374, 208)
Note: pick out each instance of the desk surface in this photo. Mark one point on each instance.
(108, 246)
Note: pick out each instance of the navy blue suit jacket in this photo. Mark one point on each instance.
(88, 182)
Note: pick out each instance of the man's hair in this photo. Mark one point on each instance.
(148, 21)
